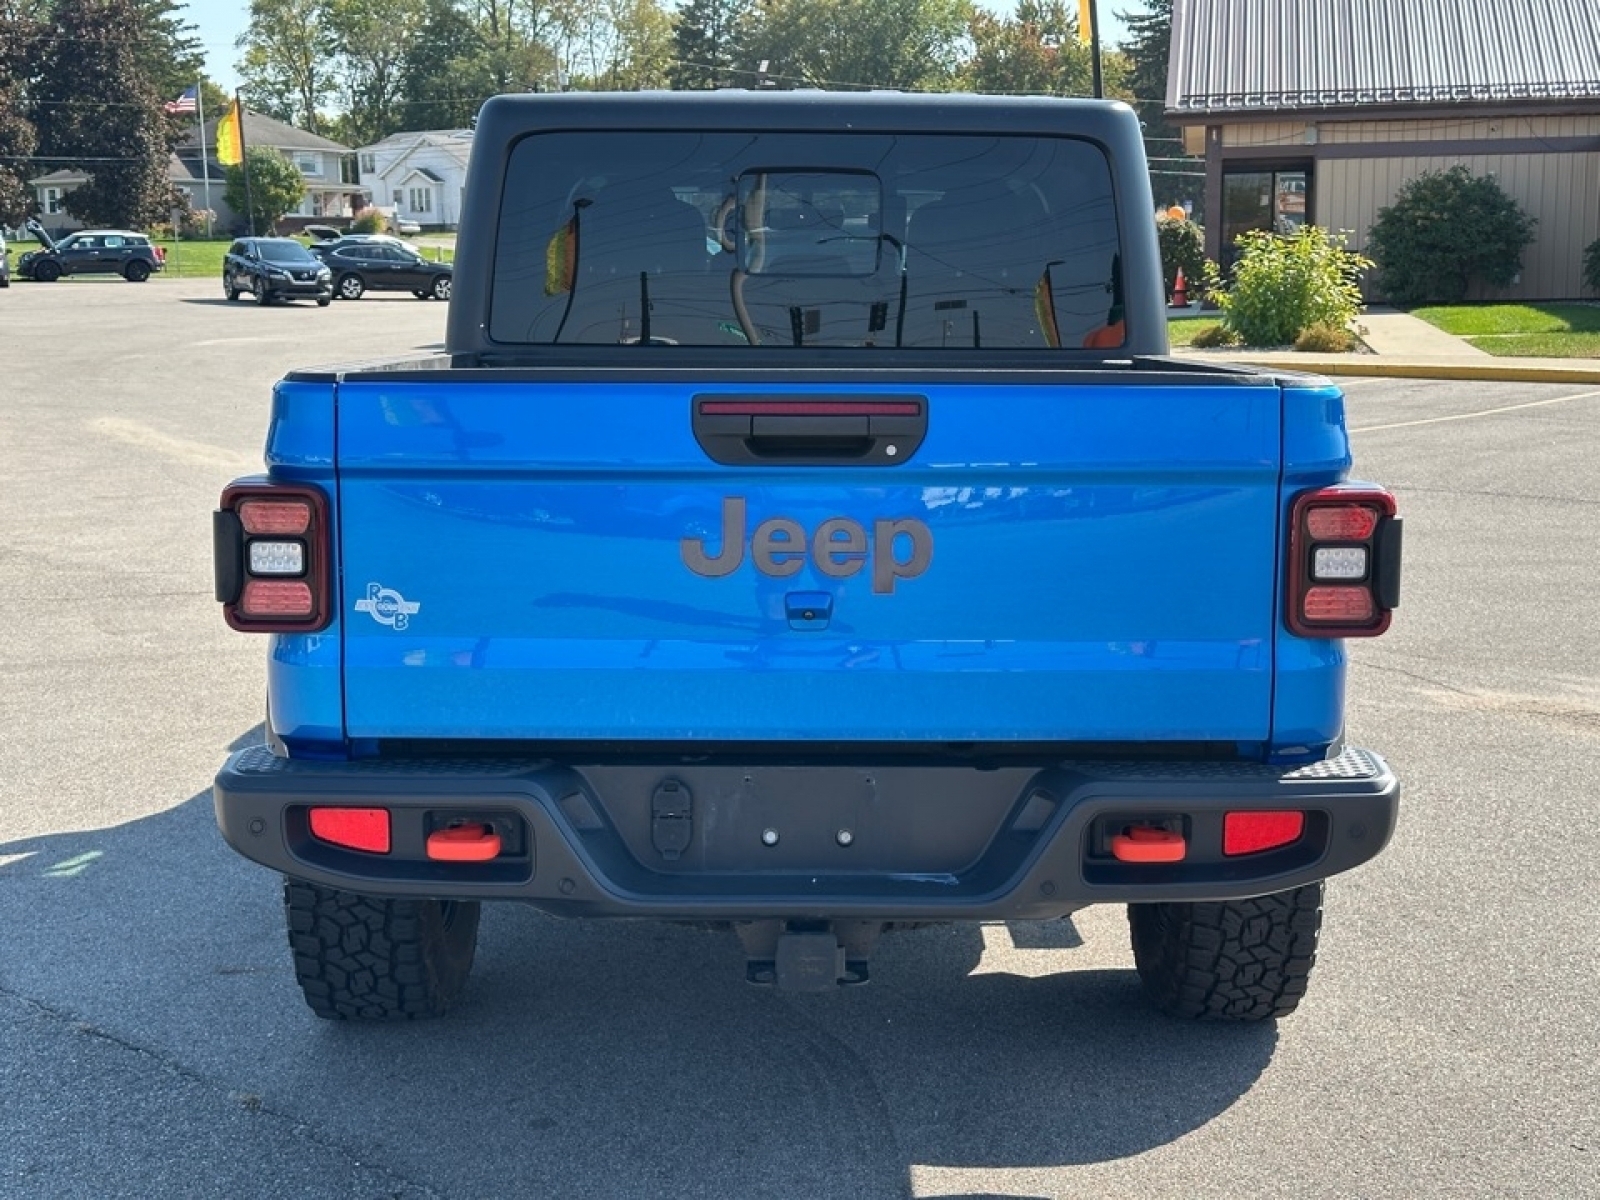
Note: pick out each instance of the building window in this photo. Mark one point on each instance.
(308, 163)
(369, 164)
(52, 200)
(422, 200)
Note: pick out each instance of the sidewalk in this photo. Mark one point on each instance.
(1407, 347)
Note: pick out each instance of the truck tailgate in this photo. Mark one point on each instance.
(1087, 560)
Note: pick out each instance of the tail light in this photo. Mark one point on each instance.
(1344, 562)
(272, 558)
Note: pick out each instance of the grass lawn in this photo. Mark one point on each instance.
(1180, 332)
(1532, 330)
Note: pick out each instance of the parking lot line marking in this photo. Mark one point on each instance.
(1488, 412)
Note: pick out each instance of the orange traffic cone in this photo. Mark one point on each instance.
(1180, 291)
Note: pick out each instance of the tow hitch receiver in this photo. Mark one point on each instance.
(807, 956)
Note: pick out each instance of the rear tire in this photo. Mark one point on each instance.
(1234, 960)
(136, 272)
(350, 287)
(377, 959)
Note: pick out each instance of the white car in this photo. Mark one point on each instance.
(406, 225)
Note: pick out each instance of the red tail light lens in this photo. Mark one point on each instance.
(1346, 605)
(1341, 523)
(1253, 832)
(353, 828)
(273, 557)
(276, 517)
(1344, 562)
(263, 598)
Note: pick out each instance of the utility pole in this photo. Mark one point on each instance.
(1094, 49)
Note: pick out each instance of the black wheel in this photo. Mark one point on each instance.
(441, 288)
(1234, 960)
(47, 271)
(324, 301)
(136, 271)
(228, 290)
(258, 289)
(350, 287)
(369, 958)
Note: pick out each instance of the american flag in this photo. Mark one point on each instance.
(187, 103)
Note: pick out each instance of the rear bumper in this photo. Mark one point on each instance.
(924, 842)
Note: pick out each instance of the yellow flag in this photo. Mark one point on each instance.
(230, 137)
(1085, 22)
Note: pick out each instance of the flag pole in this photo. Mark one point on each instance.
(205, 149)
(1094, 49)
(244, 164)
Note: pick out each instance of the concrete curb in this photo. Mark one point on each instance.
(1373, 365)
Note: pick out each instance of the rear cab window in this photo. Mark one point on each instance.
(797, 239)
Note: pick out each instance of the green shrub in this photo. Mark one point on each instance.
(1591, 266)
(1214, 336)
(368, 220)
(1183, 244)
(1323, 338)
(1283, 283)
(1445, 230)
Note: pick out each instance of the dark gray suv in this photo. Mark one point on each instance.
(91, 252)
(274, 268)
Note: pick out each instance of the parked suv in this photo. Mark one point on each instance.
(274, 268)
(91, 252)
(377, 263)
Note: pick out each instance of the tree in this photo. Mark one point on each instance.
(96, 109)
(908, 44)
(612, 45)
(708, 44)
(288, 64)
(168, 47)
(374, 37)
(18, 139)
(1444, 231)
(1035, 53)
(445, 76)
(276, 186)
(1147, 50)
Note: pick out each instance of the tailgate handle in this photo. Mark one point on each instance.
(881, 431)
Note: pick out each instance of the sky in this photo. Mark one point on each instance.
(220, 22)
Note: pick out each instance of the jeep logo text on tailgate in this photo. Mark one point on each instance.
(839, 547)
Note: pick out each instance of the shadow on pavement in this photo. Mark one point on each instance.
(608, 1059)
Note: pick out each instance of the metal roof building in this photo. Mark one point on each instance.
(1321, 109)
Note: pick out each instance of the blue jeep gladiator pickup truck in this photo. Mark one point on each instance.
(803, 532)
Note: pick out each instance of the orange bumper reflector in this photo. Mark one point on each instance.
(353, 828)
(1147, 844)
(464, 843)
(1253, 832)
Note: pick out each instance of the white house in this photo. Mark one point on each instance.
(420, 175)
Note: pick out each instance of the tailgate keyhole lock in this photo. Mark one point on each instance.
(672, 818)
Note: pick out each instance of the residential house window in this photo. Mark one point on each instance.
(308, 163)
(52, 200)
(422, 200)
(369, 164)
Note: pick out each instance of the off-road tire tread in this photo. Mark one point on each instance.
(378, 959)
(1234, 960)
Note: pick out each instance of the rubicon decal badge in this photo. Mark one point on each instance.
(387, 606)
(897, 548)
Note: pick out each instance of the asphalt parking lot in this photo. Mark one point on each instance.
(153, 1043)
